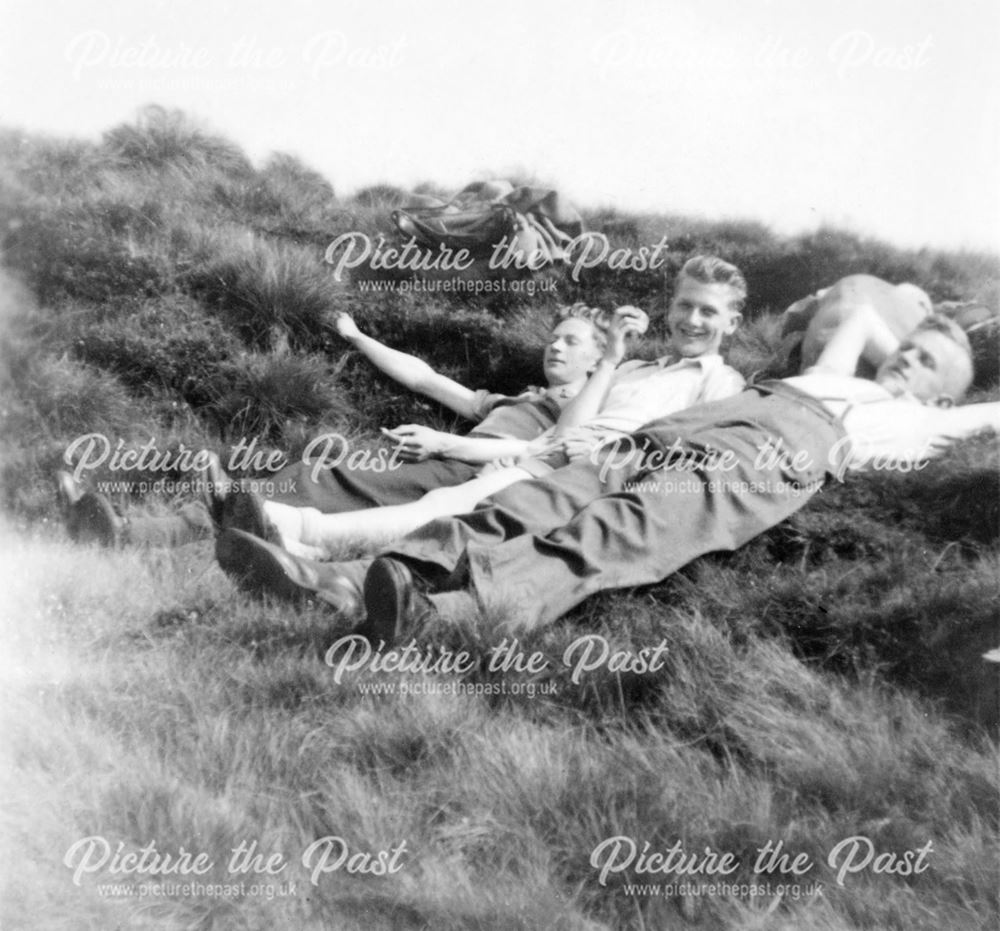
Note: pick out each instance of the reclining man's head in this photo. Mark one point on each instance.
(575, 345)
(933, 363)
(707, 305)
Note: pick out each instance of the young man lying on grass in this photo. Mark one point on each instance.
(708, 479)
(706, 308)
(506, 425)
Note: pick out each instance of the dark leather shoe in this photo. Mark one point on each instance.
(392, 602)
(92, 519)
(243, 509)
(262, 568)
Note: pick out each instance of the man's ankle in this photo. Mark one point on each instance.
(355, 570)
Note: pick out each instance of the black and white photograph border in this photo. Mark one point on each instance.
(523, 466)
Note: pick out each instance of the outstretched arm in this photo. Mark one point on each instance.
(957, 423)
(862, 334)
(409, 371)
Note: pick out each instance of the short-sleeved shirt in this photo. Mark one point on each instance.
(522, 417)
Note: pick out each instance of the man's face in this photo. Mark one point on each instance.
(927, 365)
(699, 316)
(572, 351)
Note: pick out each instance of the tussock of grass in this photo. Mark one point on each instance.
(288, 198)
(168, 346)
(258, 395)
(69, 256)
(160, 137)
(380, 196)
(266, 290)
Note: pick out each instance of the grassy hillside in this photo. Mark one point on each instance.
(825, 682)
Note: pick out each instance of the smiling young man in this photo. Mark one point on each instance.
(619, 397)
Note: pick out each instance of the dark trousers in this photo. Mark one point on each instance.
(339, 489)
(541, 547)
(189, 524)
(331, 491)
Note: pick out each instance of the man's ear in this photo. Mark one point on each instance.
(943, 401)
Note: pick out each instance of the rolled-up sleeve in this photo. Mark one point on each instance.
(483, 403)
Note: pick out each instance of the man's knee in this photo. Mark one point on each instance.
(901, 306)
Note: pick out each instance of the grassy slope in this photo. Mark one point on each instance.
(824, 682)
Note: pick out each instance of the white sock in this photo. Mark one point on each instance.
(306, 551)
(287, 521)
(311, 526)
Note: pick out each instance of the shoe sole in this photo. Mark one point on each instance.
(386, 593)
(243, 509)
(255, 569)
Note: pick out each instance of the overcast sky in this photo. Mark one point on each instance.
(881, 116)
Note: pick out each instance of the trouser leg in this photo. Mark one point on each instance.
(624, 540)
(543, 546)
(537, 506)
(189, 524)
(331, 491)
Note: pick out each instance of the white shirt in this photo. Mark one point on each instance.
(644, 391)
(885, 431)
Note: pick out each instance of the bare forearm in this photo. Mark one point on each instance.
(626, 321)
(480, 449)
(588, 402)
(968, 419)
(862, 334)
(408, 370)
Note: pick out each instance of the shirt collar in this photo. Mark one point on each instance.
(705, 363)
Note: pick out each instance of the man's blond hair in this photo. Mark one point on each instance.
(710, 269)
(593, 315)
